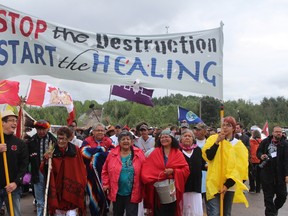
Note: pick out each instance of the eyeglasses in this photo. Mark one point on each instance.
(61, 139)
(12, 120)
(100, 131)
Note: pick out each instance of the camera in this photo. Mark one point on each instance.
(264, 162)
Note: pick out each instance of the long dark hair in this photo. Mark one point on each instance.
(175, 143)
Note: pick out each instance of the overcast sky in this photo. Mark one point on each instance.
(255, 37)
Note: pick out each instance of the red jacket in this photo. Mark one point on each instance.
(254, 144)
(111, 173)
(105, 142)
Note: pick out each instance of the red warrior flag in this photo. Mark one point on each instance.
(9, 92)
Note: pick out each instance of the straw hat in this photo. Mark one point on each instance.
(8, 113)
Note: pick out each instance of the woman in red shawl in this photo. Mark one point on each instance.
(165, 162)
(68, 176)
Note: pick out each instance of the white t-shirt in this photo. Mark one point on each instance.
(76, 141)
(114, 139)
(200, 143)
(146, 145)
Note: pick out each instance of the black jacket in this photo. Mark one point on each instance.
(276, 168)
(196, 165)
(34, 154)
(245, 140)
(17, 160)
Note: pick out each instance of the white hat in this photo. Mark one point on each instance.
(8, 113)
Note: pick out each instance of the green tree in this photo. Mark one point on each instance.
(164, 112)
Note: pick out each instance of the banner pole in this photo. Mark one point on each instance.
(6, 168)
(221, 161)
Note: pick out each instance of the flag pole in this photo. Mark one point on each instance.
(221, 162)
(50, 152)
(110, 93)
(20, 123)
(221, 123)
(6, 168)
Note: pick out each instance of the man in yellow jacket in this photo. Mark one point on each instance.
(227, 159)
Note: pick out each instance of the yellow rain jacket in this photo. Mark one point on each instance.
(234, 166)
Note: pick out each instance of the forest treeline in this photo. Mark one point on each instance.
(165, 111)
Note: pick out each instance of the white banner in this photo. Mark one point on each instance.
(184, 61)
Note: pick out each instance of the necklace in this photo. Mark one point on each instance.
(126, 160)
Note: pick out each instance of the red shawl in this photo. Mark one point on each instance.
(152, 171)
(67, 183)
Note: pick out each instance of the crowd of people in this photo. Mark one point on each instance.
(143, 170)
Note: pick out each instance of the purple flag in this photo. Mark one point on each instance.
(136, 94)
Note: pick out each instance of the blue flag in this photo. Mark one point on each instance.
(189, 116)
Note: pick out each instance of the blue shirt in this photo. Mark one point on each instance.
(126, 178)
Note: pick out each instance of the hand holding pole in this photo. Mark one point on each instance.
(221, 162)
(50, 154)
(6, 169)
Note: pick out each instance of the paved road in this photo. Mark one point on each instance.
(256, 207)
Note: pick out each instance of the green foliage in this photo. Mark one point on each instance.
(210, 113)
(164, 113)
(55, 115)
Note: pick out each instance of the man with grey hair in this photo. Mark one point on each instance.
(94, 150)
